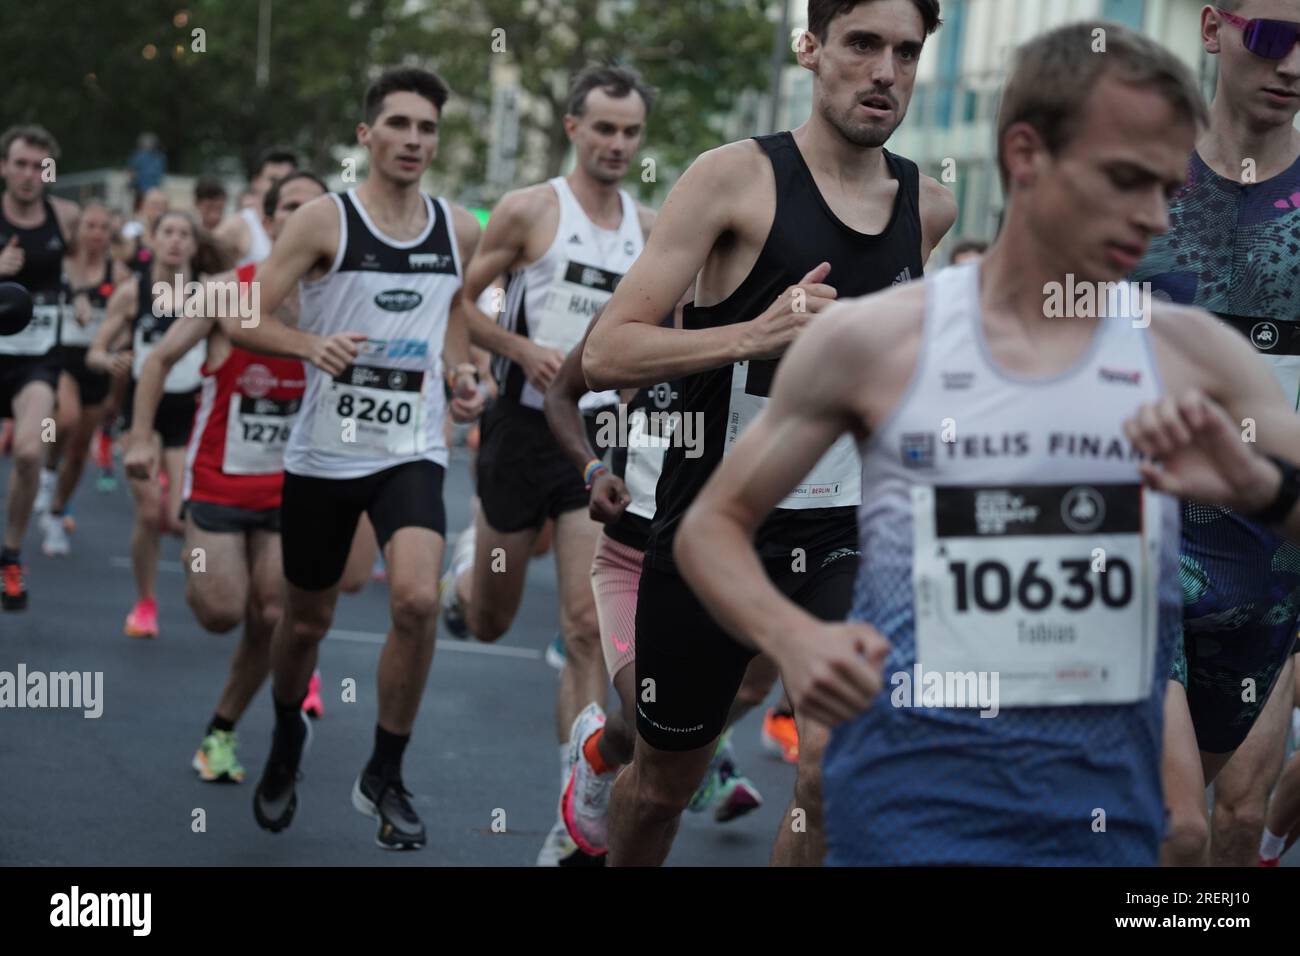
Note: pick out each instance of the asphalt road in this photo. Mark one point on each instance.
(119, 791)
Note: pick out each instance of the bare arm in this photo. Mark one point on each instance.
(938, 213)
(310, 236)
(185, 333)
(68, 213)
(501, 244)
(609, 495)
(831, 669)
(232, 235)
(561, 405)
(628, 348)
(455, 347)
(118, 312)
(467, 399)
(1209, 437)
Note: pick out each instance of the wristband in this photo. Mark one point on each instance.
(594, 468)
(1287, 494)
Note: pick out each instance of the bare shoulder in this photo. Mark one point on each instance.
(938, 209)
(522, 206)
(1189, 331)
(67, 211)
(232, 226)
(937, 200)
(730, 165)
(465, 223)
(880, 318)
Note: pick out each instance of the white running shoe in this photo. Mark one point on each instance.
(45, 492)
(560, 850)
(584, 805)
(56, 542)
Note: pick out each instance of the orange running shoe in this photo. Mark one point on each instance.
(13, 587)
(779, 737)
(143, 619)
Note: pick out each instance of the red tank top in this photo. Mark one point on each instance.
(236, 451)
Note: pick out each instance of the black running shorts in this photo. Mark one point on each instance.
(173, 419)
(318, 517)
(523, 475)
(228, 519)
(92, 386)
(16, 371)
(695, 665)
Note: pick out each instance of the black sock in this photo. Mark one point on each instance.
(388, 752)
(9, 556)
(220, 723)
(289, 730)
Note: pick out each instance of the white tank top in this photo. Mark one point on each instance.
(387, 408)
(259, 243)
(1003, 528)
(553, 299)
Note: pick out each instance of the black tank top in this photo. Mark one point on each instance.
(44, 246)
(147, 321)
(804, 232)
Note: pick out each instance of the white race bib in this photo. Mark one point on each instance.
(75, 334)
(38, 337)
(1010, 580)
(371, 409)
(836, 479)
(185, 375)
(257, 431)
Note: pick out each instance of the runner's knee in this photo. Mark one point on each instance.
(1188, 836)
(414, 605)
(217, 610)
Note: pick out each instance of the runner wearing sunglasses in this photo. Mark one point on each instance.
(1233, 247)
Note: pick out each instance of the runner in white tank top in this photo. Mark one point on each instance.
(563, 244)
(242, 232)
(1007, 547)
(380, 271)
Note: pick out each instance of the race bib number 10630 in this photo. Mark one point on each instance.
(1050, 586)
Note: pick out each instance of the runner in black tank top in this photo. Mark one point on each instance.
(804, 232)
(771, 230)
(33, 228)
(89, 276)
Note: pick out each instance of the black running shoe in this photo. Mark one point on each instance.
(383, 797)
(276, 796)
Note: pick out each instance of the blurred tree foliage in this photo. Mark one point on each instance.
(99, 73)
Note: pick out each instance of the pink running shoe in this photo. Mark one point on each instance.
(143, 619)
(311, 704)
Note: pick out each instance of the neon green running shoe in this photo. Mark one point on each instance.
(215, 759)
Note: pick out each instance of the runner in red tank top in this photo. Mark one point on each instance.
(234, 472)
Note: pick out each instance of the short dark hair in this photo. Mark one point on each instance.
(209, 187)
(38, 136)
(822, 12)
(1053, 75)
(615, 81)
(272, 197)
(276, 154)
(408, 79)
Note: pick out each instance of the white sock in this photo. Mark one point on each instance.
(1271, 845)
